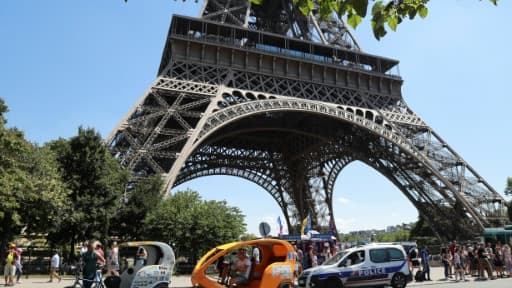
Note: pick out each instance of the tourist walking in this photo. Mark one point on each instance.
(18, 265)
(54, 267)
(414, 259)
(90, 259)
(446, 257)
(507, 259)
(499, 262)
(459, 269)
(113, 260)
(298, 262)
(484, 263)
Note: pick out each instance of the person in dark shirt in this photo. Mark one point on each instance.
(90, 258)
(484, 263)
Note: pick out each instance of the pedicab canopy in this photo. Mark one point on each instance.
(149, 271)
(274, 267)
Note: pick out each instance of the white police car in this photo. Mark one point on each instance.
(369, 265)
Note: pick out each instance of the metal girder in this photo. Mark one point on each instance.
(282, 17)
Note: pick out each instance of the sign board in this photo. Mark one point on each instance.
(264, 229)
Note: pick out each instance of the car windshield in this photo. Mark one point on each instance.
(335, 259)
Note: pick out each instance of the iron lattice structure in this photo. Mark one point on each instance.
(287, 101)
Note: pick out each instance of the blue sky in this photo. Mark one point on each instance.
(69, 63)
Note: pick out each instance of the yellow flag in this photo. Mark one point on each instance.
(303, 226)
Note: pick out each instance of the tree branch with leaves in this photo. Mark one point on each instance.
(385, 14)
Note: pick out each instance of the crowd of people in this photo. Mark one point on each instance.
(312, 254)
(92, 261)
(477, 260)
(462, 261)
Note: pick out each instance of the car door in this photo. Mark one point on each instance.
(354, 267)
(396, 262)
(389, 260)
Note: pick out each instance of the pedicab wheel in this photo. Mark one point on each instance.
(399, 281)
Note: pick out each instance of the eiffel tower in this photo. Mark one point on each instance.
(287, 100)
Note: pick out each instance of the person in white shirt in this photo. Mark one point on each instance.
(54, 267)
(113, 260)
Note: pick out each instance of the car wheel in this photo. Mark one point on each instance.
(333, 283)
(399, 281)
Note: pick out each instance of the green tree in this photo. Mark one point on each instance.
(13, 181)
(397, 236)
(384, 13)
(129, 222)
(96, 182)
(31, 192)
(248, 236)
(350, 238)
(192, 225)
(46, 196)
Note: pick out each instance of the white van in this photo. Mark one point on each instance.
(370, 265)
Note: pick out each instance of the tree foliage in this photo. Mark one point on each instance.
(384, 13)
(96, 182)
(46, 196)
(194, 226)
(397, 236)
(31, 191)
(129, 222)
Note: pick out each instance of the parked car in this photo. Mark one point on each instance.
(273, 268)
(369, 265)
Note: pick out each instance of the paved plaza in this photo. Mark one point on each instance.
(184, 281)
(437, 276)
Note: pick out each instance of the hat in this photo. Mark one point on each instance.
(12, 245)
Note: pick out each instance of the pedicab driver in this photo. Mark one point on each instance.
(241, 268)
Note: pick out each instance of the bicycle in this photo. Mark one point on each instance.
(97, 282)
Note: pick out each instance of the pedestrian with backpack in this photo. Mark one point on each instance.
(10, 259)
